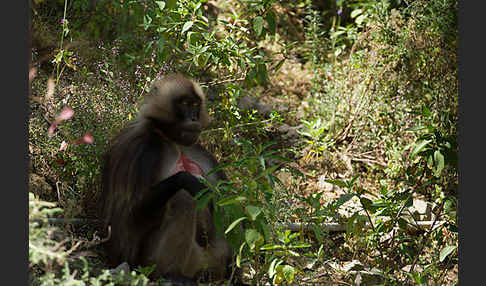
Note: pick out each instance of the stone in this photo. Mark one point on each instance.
(421, 210)
(367, 277)
(249, 103)
(352, 265)
(290, 132)
(325, 186)
(122, 267)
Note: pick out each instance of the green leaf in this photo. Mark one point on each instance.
(409, 201)
(253, 212)
(147, 20)
(426, 111)
(251, 75)
(220, 167)
(350, 223)
(402, 223)
(279, 65)
(160, 45)
(367, 204)
(238, 258)
(418, 148)
(344, 198)
(351, 182)
(337, 34)
(271, 247)
(430, 162)
(258, 25)
(415, 128)
(253, 238)
(231, 200)
(171, 4)
(339, 183)
(289, 273)
(271, 21)
(234, 224)
(439, 162)
(266, 229)
(267, 171)
(245, 143)
(262, 74)
(203, 59)
(356, 12)
(278, 278)
(300, 245)
(446, 251)
(161, 4)
(191, 38)
(361, 19)
(318, 233)
(203, 199)
(271, 270)
(276, 157)
(187, 26)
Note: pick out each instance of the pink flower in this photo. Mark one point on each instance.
(65, 114)
(86, 139)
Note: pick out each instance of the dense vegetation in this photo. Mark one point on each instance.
(325, 113)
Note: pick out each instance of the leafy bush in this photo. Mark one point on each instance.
(401, 105)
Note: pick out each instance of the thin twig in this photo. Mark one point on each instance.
(425, 239)
(235, 127)
(374, 230)
(392, 242)
(216, 82)
(369, 161)
(344, 132)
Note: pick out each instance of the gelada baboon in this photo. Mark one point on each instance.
(149, 181)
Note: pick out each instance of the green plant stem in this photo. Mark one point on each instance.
(422, 246)
(374, 230)
(393, 223)
(58, 75)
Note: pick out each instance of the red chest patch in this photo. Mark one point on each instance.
(186, 164)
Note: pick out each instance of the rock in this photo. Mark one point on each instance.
(367, 277)
(386, 236)
(352, 265)
(421, 210)
(302, 110)
(335, 266)
(417, 268)
(290, 132)
(284, 128)
(347, 266)
(328, 187)
(122, 267)
(350, 207)
(249, 103)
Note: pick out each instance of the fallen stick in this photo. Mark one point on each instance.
(337, 227)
